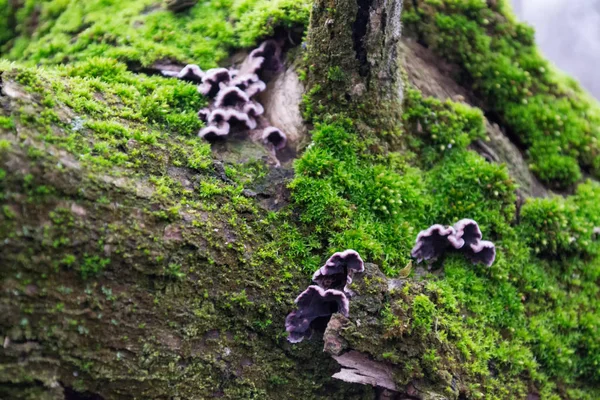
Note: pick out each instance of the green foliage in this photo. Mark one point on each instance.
(92, 265)
(553, 118)
(439, 127)
(137, 32)
(465, 184)
(533, 316)
(562, 227)
(345, 191)
(174, 271)
(376, 204)
(6, 123)
(423, 314)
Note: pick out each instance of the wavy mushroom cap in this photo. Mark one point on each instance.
(483, 252)
(274, 137)
(230, 97)
(432, 242)
(214, 132)
(467, 232)
(339, 269)
(314, 303)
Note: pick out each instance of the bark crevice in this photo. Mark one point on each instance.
(359, 31)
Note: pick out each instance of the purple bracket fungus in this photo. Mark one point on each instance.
(214, 132)
(244, 81)
(314, 305)
(483, 252)
(338, 270)
(252, 65)
(230, 97)
(203, 114)
(465, 236)
(467, 232)
(231, 116)
(232, 110)
(256, 88)
(190, 72)
(433, 242)
(274, 137)
(253, 109)
(270, 51)
(212, 80)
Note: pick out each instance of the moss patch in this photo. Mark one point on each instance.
(549, 115)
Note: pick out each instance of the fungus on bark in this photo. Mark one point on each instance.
(203, 114)
(256, 88)
(232, 90)
(339, 269)
(270, 52)
(274, 137)
(253, 109)
(465, 236)
(212, 80)
(190, 72)
(318, 303)
(230, 97)
(243, 81)
(231, 116)
(314, 304)
(214, 132)
(483, 252)
(432, 242)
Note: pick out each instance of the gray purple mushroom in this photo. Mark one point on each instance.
(274, 137)
(313, 304)
(338, 270)
(319, 302)
(465, 236)
(433, 242)
(214, 132)
(467, 232)
(190, 72)
(233, 110)
(483, 252)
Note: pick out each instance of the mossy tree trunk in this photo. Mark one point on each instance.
(354, 63)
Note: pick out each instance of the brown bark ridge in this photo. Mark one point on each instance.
(354, 65)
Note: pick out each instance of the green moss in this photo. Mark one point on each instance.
(554, 228)
(439, 127)
(92, 265)
(423, 314)
(6, 123)
(352, 195)
(139, 32)
(553, 119)
(531, 320)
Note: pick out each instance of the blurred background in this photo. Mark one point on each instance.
(568, 33)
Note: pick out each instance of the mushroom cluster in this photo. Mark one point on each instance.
(233, 109)
(319, 302)
(465, 237)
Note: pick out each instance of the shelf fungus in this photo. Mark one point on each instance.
(319, 302)
(338, 270)
(232, 110)
(465, 237)
(313, 304)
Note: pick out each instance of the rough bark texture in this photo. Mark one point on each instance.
(354, 58)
